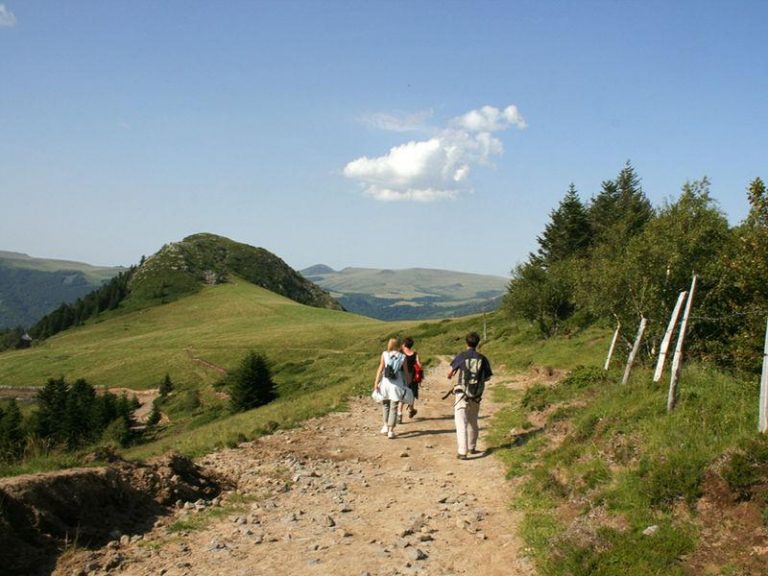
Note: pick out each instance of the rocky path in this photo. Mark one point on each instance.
(336, 497)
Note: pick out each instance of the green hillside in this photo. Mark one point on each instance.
(32, 287)
(217, 326)
(413, 293)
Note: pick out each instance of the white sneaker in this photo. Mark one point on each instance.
(391, 434)
(384, 429)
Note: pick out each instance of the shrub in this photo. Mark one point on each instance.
(678, 476)
(747, 467)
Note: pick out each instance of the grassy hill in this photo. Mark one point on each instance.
(215, 326)
(32, 287)
(414, 293)
(182, 268)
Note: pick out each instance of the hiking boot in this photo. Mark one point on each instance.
(461, 456)
(412, 412)
(475, 451)
(391, 434)
(384, 429)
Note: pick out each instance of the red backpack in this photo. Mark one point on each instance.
(418, 372)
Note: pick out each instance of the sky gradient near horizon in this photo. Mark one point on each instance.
(385, 134)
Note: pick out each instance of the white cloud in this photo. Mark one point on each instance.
(437, 168)
(398, 122)
(7, 18)
(490, 119)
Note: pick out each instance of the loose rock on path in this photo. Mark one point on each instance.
(336, 497)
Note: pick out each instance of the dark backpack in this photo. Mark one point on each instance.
(389, 372)
(473, 377)
(393, 365)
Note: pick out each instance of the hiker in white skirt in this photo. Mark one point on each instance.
(392, 383)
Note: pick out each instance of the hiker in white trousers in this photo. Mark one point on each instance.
(474, 370)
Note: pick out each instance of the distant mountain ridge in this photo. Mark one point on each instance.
(31, 287)
(412, 293)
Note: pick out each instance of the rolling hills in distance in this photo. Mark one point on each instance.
(32, 287)
(409, 294)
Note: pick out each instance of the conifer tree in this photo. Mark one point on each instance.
(568, 232)
(51, 414)
(79, 418)
(11, 432)
(166, 386)
(252, 384)
(154, 416)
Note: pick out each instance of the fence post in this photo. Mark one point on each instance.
(668, 336)
(635, 349)
(763, 423)
(677, 360)
(613, 344)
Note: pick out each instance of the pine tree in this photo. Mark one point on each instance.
(79, 421)
(621, 209)
(51, 413)
(11, 432)
(252, 384)
(154, 416)
(166, 386)
(568, 232)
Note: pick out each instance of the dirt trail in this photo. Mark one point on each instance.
(336, 497)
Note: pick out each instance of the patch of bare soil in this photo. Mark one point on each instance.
(733, 538)
(335, 496)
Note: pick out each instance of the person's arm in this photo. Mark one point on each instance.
(488, 371)
(454, 367)
(408, 377)
(378, 373)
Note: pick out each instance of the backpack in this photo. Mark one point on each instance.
(473, 377)
(418, 373)
(389, 372)
(392, 366)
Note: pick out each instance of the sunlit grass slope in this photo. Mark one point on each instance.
(189, 338)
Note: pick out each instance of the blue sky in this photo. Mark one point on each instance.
(383, 134)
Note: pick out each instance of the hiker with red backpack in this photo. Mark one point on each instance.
(416, 372)
(390, 385)
(474, 370)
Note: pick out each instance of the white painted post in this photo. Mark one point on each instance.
(668, 336)
(635, 349)
(613, 345)
(763, 423)
(677, 360)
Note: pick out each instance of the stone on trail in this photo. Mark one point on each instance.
(417, 554)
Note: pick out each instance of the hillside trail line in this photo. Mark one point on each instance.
(336, 497)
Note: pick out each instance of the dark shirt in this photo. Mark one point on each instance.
(458, 362)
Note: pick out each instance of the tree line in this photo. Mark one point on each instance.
(67, 417)
(617, 258)
(107, 297)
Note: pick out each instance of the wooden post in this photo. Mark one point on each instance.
(763, 423)
(677, 360)
(613, 345)
(635, 349)
(668, 336)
